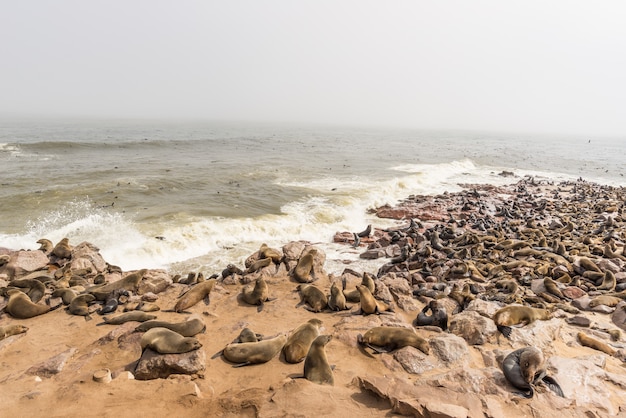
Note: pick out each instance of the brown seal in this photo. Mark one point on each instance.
(588, 341)
(63, 249)
(299, 342)
(354, 295)
(257, 294)
(392, 338)
(258, 265)
(254, 352)
(138, 316)
(606, 300)
(66, 295)
(316, 367)
(166, 341)
(186, 328)
(21, 307)
(129, 282)
(194, 295)
(337, 300)
(268, 252)
(7, 330)
(45, 245)
(518, 315)
(80, 305)
(609, 281)
(369, 305)
(36, 289)
(302, 271)
(525, 367)
(312, 296)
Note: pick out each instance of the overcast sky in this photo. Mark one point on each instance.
(536, 66)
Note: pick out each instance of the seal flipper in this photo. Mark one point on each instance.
(260, 307)
(553, 385)
(505, 330)
(218, 354)
(242, 364)
(207, 300)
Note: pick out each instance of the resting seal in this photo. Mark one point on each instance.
(36, 289)
(524, 368)
(138, 316)
(316, 367)
(185, 328)
(369, 305)
(268, 252)
(254, 352)
(518, 315)
(80, 305)
(130, 282)
(354, 295)
(311, 295)
(7, 330)
(257, 295)
(590, 342)
(166, 341)
(438, 318)
(194, 295)
(392, 338)
(21, 307)
(337, 300)
(62, 249)
(299, 342)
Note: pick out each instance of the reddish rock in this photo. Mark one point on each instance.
(573, 292)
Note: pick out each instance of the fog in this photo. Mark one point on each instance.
(530, 66)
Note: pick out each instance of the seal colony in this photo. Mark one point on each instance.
(517, 258)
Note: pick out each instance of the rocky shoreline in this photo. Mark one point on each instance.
(555, 247)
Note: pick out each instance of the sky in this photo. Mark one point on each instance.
(555, 66)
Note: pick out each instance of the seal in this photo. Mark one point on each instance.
(21, 307)
(257, 295)
(311, 295)
(590, 342)
(194, 295)
(45, 245)
(185, 328)
(518, 315)
(392, 338)
(258, 265)
(438, 317)
(230, 270)
(130, 282)
(316, 367)
(166, 341)
(66, 295)
(142, 306)
(606, 300)
(8, 330)
(36, 289)
(112, 301)
(138, 316)
(354, 296)
(4, 259)
(609, 281)
(80, 305)
(299, 342)
(302, 271)
(62, 249)
(369, 305)
(268, 252)
(524, 368)
(337, 300)
(245, 336)
(254, 352)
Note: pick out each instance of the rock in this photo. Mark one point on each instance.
(619, 315)
(580, 321)
(449, 349)
(573, 292)
(489, 380)
(53, 365)
(373, 254)
(473, 327)
(540, 334)
(152, 365)
(23, 262)
(154, 281)
(87, 256)
(413, 361)
(582, 303)
(483, 307)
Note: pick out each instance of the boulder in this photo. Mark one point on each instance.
(87, 256)
(53, 365)
(153, 365)
(154, 281)
(473, 327)
(23, 262)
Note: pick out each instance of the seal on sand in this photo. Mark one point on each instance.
(166, 341)
(524, 368)
(392, 338)
(302, 271)
(185, 328)
(299, 342)
(311, 295)
(337, 300)
(80, 305)
(13, 329)
(194, 295)
(254, 352)
(138, 316)
(369, 305)
(354, 295)
(316, 367)
(21, 307)
(257, 295)
(518, 315)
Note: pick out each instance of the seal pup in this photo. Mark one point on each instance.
(80, 305)
(518, 315)
(186, 328)
(138, 316)
(524, 368)
(166, 341)
(337, 300)
(438, 317)
(194, 295)
(316, 366)
(258, 265)
(21, 307)
(66, 295)
(312, 296)
(254, 352)
(230, 270)
(268, 252)
(112, 301)
(257, 294)
(62, 249)
(392, 338)
(8, 330)
(299, 342)
(369, 305)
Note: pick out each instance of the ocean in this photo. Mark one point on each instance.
(196, 196)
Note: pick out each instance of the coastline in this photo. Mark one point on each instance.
(404, 382)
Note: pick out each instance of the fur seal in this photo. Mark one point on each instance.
(392, 338)
(524, 368)
(311, 295)
(609, 281)
(21, 307)
(36, 289)
(230, 270)
(130, 282)
(354, 295)
(138, 316)
(302, 271)
(299, 342)
(337, 300)
(166, 341)
(7, 330)
(62, 249)
(80, 305)
(258, 265)
(185, 328)
(254, 352)
(194, 295)
(606, 300)
(518, 315)
(257, 294)
(590, 342)
(45, 245)
(438, 317)
(268, 252)
(316, 367)
(245, 336)
(112, 301)
(142, 306)
(369, 305)
(4, 259)
(66, 295)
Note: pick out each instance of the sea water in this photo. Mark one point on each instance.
(194, 195)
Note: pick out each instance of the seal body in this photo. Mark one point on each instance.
(138, 316)
(392, 338)
(185, 328)
(21, 307)
(194, 295)
(316, 367)
(257, 295)
(130, 282)
(518, 315)
(80, 304)
(337, 300)
(312, 296)
(299, 342)
(302, 271)
(354, 295)
(254, 352)
(438, 317)
(369, 305)
(166, 341)
(62, 249)
(8, 330)
(522, 366)
(590, 342)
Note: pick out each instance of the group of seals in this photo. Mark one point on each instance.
(247, 353)
(165, 341)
